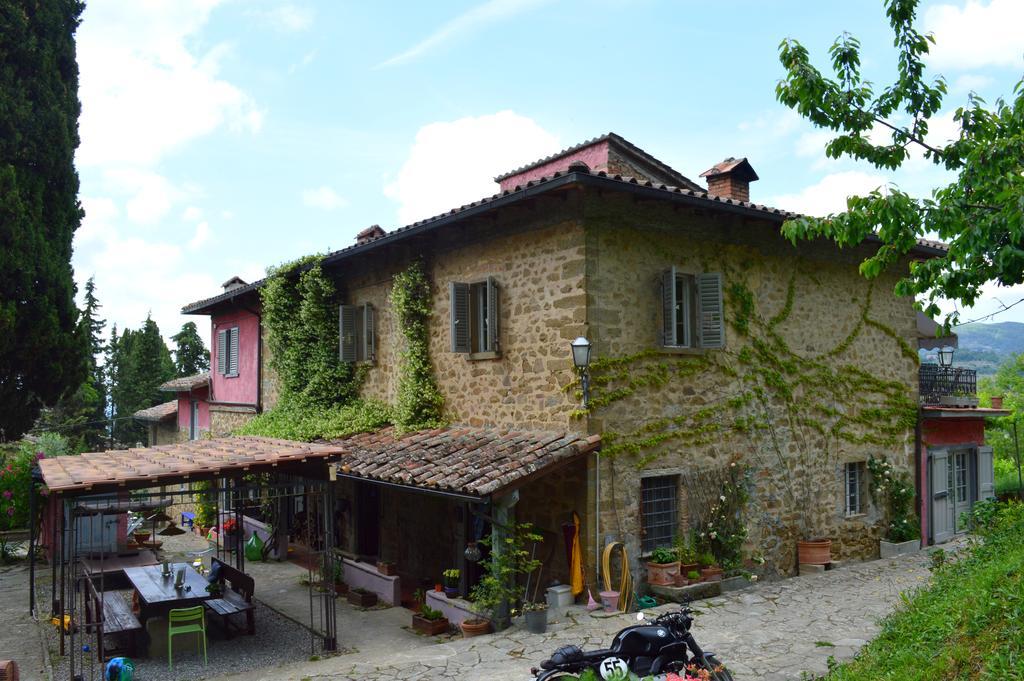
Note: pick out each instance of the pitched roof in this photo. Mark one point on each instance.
(466, 461)
(160, 412)
(554, 182)
(187, 382)
(150, 466)
(620, 142)
(740, 166)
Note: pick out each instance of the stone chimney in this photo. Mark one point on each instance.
(371, 233)
(233, 283)
(730, 179)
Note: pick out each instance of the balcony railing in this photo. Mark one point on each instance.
(939, 385)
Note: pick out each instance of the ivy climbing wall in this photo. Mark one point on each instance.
(818, 370)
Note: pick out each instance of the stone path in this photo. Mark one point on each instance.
(20, 638)
(772, 632)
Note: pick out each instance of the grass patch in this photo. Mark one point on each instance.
(967, 624)
(824, 644)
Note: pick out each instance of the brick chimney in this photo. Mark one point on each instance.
(730, 179)
(233, 283)
(371, 233)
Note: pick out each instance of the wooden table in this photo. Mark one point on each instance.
(157, 595)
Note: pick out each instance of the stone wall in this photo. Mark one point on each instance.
(539, 270)
(165, 433)
(629, 245)
(224, 420)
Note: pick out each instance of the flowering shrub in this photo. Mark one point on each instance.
(724, 531)
(16, 482)
(894, 494)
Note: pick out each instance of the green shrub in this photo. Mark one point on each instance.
(967, 624)
(290, 420)
(663, 555)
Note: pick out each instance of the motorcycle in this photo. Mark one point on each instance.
(659, 648)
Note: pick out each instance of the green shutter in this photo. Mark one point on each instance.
(369, 349)
(711, 317)
(233, 351)
(222, 352)
(347, 332)
(458, 295)
(986, 474)
(493, 338)
(668, 306)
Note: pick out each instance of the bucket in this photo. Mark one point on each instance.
(610, 600)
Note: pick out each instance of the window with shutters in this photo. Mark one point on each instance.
(659, 511)
(474, 317)
(853, 485)
(356, 333)
(692, 310)
(227, 352)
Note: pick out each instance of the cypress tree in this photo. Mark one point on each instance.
(41, 355)
(190, 354)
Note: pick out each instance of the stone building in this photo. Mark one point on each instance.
(716, 345)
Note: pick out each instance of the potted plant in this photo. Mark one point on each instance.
(362, 598)
(499, 587)
(893, 494)
(693, 576)
(229, 532)
(142, 536)
(213, 588)
(451, 582)
(536, 615)
(662, 567)
(997, 401)
(711, 573)
(429, 621)
(686, 550)
(340, 587)
(386, 568)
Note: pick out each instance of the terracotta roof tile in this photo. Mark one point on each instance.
(187, 382)
(150, 466)
(160, 412)
(471, 461)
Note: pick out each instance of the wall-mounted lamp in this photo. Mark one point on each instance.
(581, 359)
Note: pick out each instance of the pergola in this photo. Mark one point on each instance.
(92, 486)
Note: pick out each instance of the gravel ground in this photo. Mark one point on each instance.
(277, 640)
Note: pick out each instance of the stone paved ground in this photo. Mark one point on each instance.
(20, 638)
(771, 632)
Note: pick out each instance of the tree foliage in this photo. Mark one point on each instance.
(41, 355)
(137, 363)
(419, 401)
(190, 354)
(1008, 383)
(979, 213)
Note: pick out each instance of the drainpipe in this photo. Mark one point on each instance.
(597, 517)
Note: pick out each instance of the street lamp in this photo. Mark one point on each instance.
(581, 359)
(946, 357)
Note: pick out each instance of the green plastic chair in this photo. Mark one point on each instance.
(186, 621)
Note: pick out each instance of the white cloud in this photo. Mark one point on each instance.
(976, 34)
(151, 195)
(478, 17)
(453, 163)
(970, 82)
(286, 17)
(145, 90)
(323, 197)
(830, 193)
(201, 236)
(100, 213)
(993, 300)
(192, 213)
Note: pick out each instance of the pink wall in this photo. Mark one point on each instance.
(185, 409)
(244, 388)
(595, 156)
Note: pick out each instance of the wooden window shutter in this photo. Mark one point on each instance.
(347, 333)
(941, 513)
(458, 295)
(233, 352)
(222, 352)
(986, 474)
(711, 319)
(369, 351)
(668, 306)
(493, 337)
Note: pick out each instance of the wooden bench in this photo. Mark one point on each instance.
(236, 590)
(110, 614)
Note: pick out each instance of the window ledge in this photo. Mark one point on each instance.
(855, 516)
(480, 356)
(680, 350)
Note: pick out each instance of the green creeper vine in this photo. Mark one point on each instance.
(419, 400)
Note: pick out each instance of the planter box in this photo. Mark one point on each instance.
(735, 584)
(968, 401)
(888, 549)
(362, 599)
(387, 569)
(365, 576)
(685, 594)
(662, 574)
(455, 610)
(429, 627)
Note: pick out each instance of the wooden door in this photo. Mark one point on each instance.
(940, 514)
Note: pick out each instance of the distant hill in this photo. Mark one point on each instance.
(985, 346)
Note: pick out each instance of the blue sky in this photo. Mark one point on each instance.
(222, 137)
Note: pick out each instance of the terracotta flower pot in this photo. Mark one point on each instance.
(711, 574)
(686, 568)
(386, 569)
(681, 579)
(997, 402)
(814, 551)
(475, 627)
(662, 574)
(362, 599)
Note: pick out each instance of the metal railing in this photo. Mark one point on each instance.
(936, 382)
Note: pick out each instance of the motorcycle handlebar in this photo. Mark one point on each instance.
(681, 619)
